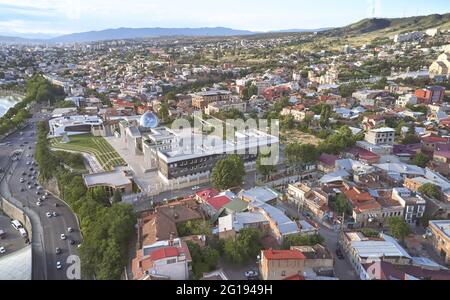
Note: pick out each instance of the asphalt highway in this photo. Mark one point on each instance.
(46, 230)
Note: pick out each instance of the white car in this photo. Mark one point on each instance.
(54, 214)
(70, 229)
(194, 188)
(63, 237)
(2, 250)
(49, 215)
(39, 204)
(58, 265)
(22, 180)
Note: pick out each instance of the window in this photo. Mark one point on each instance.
(283, 273)
(171, 261)
(410, 209)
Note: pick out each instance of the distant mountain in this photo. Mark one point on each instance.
(34, 36)
(133, 33)
(376, 27)
(385, 27)
(14, 40)
(302, 30)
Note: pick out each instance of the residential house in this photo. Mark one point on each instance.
(166, 260)
(381, 270)
(440, 231)
(327, 163)
(363, 250)
(281, 264)
(231, 224)
(405, 100)
(430, 94)
(414, 204)
(261, 194)
(305, 197)
(373, 122)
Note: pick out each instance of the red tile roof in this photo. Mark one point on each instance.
(283, 254)
(207, 194)
(434, 139)
(164, 253)
(354, 195)
(295, 277)
(363, 153)
(328, 159)
(218, 202)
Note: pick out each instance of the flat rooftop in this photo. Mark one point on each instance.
(198, 145)
(383, 130)
(443, 226)
(113, 178)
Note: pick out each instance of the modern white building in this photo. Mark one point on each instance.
(73, 125)
(405, 100)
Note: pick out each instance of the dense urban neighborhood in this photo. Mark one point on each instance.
(280, 156)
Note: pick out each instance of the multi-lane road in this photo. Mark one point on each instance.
(46, 230)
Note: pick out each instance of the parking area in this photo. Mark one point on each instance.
(237, 272)
(12, 241)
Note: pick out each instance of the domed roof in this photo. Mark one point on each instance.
(149, 120)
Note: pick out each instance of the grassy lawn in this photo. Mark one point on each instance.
(96, 146)
(297, 136)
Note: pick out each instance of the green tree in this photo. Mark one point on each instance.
(171, 96)
(163, 112)
(264, 169)
(421, 160)
(431, 190)
(245, 246)
(117, 196)
(203, 259)
(228, 172)
(343, 205)
(325, 116)
(64, 104)
(399, 228)
(302, 240)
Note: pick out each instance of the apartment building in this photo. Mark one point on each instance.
(381, 136)
(203, 99)
(440, 231)
(414, 204)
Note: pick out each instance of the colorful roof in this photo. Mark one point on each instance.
(283, 254)
(218, 202)
(207, 194)
(164, 253)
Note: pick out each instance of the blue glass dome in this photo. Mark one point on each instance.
(149, 120)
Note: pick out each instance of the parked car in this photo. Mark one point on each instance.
(63, 237)
(54, 214)
(252, 274)
(58, 251)
(39, 204)
(339, 254)
(58, 265)
(2, 250)
(49, 215)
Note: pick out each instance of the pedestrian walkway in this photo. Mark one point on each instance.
(17, 265)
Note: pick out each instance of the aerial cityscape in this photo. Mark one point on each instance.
(224, 145)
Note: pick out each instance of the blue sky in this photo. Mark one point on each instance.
(55, 17)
